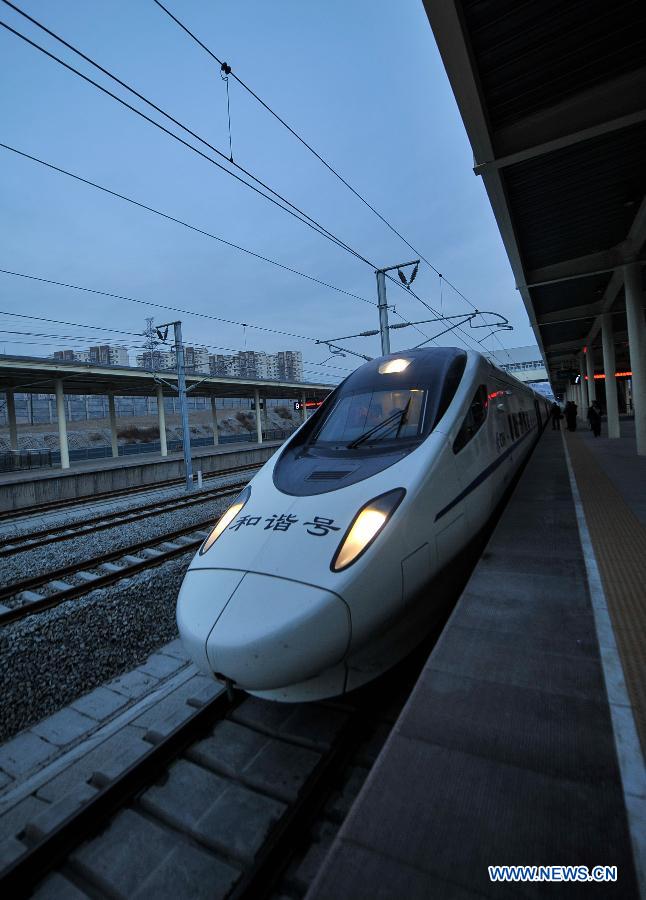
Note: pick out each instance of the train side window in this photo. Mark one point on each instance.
(473, 420)
(511, 428)
(451, 384)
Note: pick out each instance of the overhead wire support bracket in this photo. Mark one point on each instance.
(225, 71)
(335, 349)
(197, 384)
(382, 303)
(158, 380)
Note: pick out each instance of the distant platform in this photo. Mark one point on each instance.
(520, 743)
(22, 489)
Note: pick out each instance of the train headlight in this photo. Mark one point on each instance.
(365, 527)
(226, 520)
(393, 365)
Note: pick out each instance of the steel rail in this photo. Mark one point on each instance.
(27, 541)
(27, 584)
(37, 606)
(19, 879)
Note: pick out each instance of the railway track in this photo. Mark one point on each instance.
(100, 571)
(225, 804)
(113, 518)
(70, 502)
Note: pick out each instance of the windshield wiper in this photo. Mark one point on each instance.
(390, 420)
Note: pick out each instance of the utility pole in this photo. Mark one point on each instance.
(162, 332)
(383, 312)
(183, 404)
(382, 304)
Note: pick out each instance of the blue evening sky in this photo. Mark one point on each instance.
(362, 81)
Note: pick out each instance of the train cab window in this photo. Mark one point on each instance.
(369, 417)
(473, 420)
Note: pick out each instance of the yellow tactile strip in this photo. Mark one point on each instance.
(619, 541)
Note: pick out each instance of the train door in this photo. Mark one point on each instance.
(473, 455)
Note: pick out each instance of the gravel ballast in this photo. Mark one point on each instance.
(48, 660)
(40, 560)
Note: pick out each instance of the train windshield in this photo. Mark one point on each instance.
(369, 417)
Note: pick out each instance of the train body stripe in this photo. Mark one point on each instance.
(477, 481)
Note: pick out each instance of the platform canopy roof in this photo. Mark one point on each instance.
(552, 94)
(41, 375)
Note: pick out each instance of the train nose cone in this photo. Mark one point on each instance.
(202, 598)
(274, 632)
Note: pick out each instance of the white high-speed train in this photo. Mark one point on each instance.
(311, 583)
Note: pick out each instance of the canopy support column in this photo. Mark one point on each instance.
(583, 406)
(214, 420)
(637, 349)
(112, 415)
(592, 388)
(609, 368)
(11, 419)
(62, 424)
(256, 400)
(161, 417)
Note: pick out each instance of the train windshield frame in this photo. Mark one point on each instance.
(363, 418)
(398, 401)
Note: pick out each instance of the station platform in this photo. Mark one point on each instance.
(519, 744)
(89, 479)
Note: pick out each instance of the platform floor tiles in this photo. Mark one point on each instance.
(611, 479)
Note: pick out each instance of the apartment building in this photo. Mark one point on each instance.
(288, 365)
(196, 359)
(224, 365)
(253, 364)
(71, 355)
(109, 355)
(156, 360)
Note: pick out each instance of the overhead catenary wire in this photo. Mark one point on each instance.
(177, 309)
(184, 224)
(106, 330)
(315, 226)
(319, 157)
(430, 309)
(194, 228)
(295, 211)
(278, 200)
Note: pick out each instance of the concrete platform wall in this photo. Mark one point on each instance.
(23, 491)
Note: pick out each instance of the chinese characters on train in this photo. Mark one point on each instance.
(318, 527)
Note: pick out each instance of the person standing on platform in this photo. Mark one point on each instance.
(570, 415)
(556, 415)
(594, 417)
